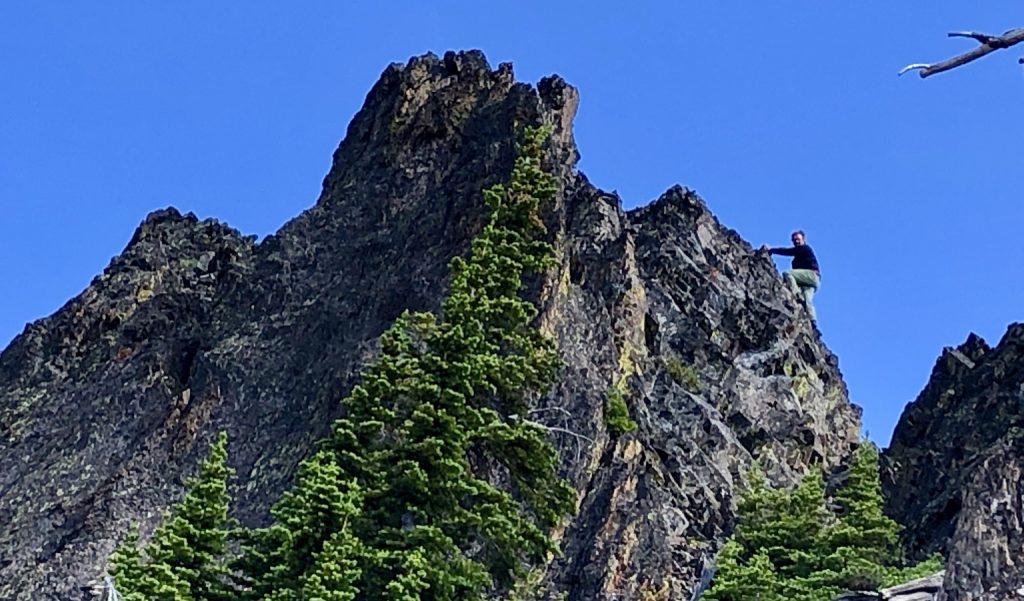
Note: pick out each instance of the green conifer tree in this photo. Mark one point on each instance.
(786, 529)
(310, 550)
(787, 526)
(802, 529)
(814, 554)
(136, 580)
(184, 560)
(757, 511)
(412, 514)
(335, 571)
(863, 540)
(738, 578)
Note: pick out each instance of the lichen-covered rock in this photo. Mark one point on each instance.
(719, 365)
(986, 554)
(194, 329)
(97, 408)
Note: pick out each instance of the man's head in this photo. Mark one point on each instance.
(797, 237)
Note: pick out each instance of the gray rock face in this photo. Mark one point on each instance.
(986, 554)
(106, 405)
(667, 285)
(922, 589)
(953, 470)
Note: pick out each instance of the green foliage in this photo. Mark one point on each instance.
(310, 551)
(529, 587)
(810, 552)
(743, 579)
(395, 506)
(684, 375)
(184, 559)
(786, 528)
(863, 540)
(616, 413)
(895, 576)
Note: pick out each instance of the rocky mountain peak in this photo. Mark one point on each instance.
(951, 473)
(106, 405)
(974, 347)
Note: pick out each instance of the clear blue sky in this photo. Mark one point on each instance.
(781, 114)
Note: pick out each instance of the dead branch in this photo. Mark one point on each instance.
(982, 38)
(557, 429)
(987, 44)
(544, 409)
(547, 428)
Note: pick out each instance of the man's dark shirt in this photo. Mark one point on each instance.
(803, 256)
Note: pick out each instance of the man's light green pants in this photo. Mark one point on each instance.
(804, 283)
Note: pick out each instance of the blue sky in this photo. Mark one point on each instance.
(781, 115)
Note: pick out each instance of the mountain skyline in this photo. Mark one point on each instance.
(781, 117)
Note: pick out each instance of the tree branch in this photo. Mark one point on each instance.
(988, 44)
(982, 38)
(542, 410)
(547, 428)
(557, 429)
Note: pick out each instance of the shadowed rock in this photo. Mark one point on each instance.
(952, 473)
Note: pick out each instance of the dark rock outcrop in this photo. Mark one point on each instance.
(106, 405)
(952, 472)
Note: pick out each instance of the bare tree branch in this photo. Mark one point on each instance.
(988, 44)
(557, 429)
(548, 428)
(542, 410)
(982, 38)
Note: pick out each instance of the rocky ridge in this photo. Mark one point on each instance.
(194, 329)
(952, 473)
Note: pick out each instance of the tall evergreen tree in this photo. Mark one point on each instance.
(310, 551)
(759, 508)
(141, 579)
(444, 404)
(786, 526)
(335, 570)
(811, 553)
(802, 528)
(740, 579)
(863, 540)
(184, 560)
(786, 529)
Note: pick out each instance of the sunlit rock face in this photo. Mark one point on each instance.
(194, 329)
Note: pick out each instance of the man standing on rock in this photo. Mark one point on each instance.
(804, 277)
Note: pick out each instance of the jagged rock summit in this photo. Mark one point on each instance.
(953, 473)
(194, 329)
